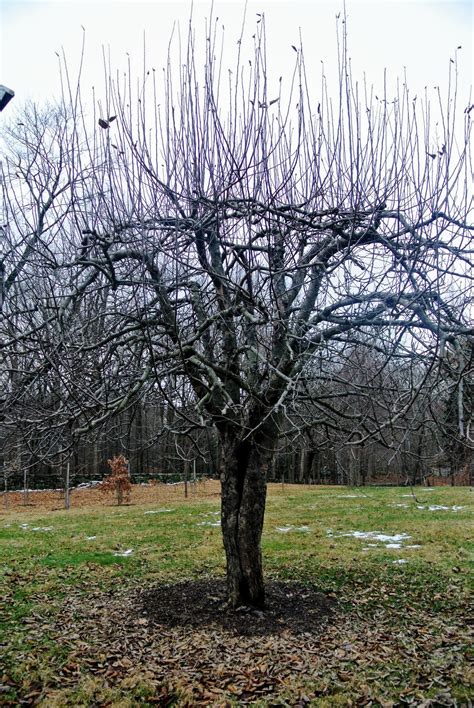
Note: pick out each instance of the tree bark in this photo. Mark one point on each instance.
(243, 479)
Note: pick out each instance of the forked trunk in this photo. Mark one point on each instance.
(244, 486)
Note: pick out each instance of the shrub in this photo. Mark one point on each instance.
(118, 480)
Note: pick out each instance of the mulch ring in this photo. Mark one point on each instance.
(197, 604)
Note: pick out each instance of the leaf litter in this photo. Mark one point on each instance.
(181, 643)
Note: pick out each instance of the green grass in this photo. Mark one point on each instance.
(38, 569)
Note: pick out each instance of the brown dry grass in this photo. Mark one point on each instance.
(83, 498)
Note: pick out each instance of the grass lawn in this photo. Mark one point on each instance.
(396, 568)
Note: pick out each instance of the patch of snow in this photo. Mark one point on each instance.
(377, 536)
(393, 541)
(348, 496)
(400, 561)
(39, 491)
(285, 529)
(157, 511)
(42, 528)
(128, 552)
(405, 506)
(416, 545)
(439, 507)
(88, 485)
(434, 507)
(24, 526)
(91, 538)
(209, 523)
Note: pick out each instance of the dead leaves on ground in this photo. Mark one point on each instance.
(109, 650)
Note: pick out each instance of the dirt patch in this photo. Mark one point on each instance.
(202, 603)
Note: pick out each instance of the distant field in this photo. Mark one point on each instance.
(53, 500)
(396, 568)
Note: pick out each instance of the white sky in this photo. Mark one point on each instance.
(421, 35)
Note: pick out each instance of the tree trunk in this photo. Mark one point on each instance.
(244, 487)
(363, 465)
(67, 491)
(186, 478)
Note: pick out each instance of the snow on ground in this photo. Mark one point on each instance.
(126, 553)
(391, 541)
(214, 522)
(373, 535)
(285, 529)
(34, 491)
(42, 528)
(25, 527)
(91, 538)
(158, 511)
(422, 491)
(439, 507)
(431, 507)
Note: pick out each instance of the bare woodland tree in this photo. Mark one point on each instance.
(242, 237)
(457, 394)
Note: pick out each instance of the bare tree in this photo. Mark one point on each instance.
(242, 233)
(456, 393)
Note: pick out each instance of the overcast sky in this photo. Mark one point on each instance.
(421, 35)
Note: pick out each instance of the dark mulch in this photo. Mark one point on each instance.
(197, 604)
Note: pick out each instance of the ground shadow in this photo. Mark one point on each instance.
(197, 604)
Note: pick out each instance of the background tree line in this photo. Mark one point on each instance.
(425, 444)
